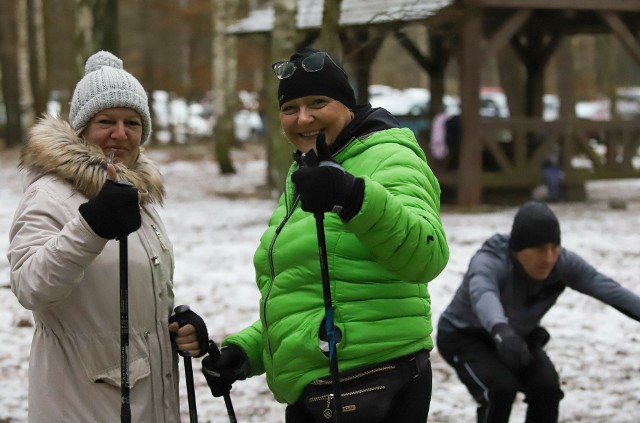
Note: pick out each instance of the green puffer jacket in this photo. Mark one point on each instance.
(379, 265)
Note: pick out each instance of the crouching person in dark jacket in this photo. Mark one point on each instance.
(490, 332)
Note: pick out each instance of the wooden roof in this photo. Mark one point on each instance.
(617, 5)
(573, 16)
(353, 13)
(568, 16)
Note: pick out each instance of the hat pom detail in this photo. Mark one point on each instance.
(100, 59)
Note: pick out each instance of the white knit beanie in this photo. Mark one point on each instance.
(105, 85)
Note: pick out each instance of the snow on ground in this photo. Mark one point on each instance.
(215, 222)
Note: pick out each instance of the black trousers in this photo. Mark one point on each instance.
(494, 386)
(410, 404)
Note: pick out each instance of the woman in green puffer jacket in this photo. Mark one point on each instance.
(384, 243)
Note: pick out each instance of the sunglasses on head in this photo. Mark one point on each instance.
(312, 63)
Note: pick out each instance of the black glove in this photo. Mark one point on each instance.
(512, 349)
(114, 212)
(184, 316)
(223, 368)
(538, 337)
(327, 186)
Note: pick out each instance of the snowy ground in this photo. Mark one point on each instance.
(215, 223)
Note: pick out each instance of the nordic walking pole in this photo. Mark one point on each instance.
(191, 395)
(328, 310)
(215, 352)
(184, 315)
(125, 406)
(188, 369)
(310, 159)
(125, 403)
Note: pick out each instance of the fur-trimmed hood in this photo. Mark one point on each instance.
(54, 148)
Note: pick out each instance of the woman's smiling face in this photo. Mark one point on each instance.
(303, 118)
(118, 131)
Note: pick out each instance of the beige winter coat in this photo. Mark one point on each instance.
(69, 277)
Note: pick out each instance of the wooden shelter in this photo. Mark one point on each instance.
(535, 29)
(474, 31)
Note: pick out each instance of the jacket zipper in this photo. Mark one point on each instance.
(328, 397)
(273, 272)
(327, 381)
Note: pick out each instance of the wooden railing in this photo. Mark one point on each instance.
(515, 149)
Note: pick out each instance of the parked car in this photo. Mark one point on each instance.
(493, 102)
(248, 125)
(628, 102)
(409, 102)
(591, 110)
(199, 118)
(378, 89)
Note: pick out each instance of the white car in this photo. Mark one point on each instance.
(493, 102)
(409, 102)
(248, 125)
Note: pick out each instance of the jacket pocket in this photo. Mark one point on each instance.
(366, 394)
(101, 359)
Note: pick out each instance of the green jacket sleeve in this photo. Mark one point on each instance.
(399, 220)
(250, 340)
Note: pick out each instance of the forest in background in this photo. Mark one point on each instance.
(180, 47)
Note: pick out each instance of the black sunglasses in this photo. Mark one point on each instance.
(312, 63)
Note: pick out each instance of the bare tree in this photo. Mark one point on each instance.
(10, 74)
(330, 31)
(224, 68)
(105, 28)
(27, 113)
(96, 28)
(83, 36)
(61, 75)
(282, 44)
(37, 63)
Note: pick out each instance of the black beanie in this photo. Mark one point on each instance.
(534, 224)
(330, 81)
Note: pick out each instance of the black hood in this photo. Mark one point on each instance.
(367, 120)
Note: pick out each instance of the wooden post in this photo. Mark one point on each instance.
(469, 184)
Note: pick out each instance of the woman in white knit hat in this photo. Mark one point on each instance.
(65, 263)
